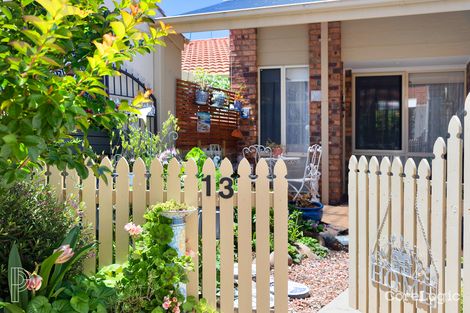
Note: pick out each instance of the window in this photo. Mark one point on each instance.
(284, 107)
(270, 102)
(378, 112)
(433, 98)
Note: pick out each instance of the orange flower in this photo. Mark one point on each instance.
(135, 9)
(108, 39)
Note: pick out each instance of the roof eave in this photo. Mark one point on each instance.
(312, 12)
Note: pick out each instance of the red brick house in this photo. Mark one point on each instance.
(372, 77)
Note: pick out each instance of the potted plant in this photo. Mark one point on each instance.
(202, 93)
(238, 99)
(276, 148)
(311, 210)
(218, 99)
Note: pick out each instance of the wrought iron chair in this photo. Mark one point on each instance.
(255, 152)
(311, 174)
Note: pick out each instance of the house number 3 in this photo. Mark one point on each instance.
(227, 191)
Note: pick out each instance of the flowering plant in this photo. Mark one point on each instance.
(150, 280)
(46, 282)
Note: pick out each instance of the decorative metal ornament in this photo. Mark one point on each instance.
(395, 264)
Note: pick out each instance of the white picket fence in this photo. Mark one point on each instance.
(443, 202)
(149, 188)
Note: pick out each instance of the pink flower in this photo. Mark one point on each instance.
(67, 254)
(176, 309)
(133, 230)
(166, 305)
(190, 253)
(34, 282)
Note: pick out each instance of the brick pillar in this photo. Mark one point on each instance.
(315, 81)
(335, 112)
(244, 72)
(335, 103)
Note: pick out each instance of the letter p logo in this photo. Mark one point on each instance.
(18, 279)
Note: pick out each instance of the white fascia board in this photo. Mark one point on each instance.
(312, 12)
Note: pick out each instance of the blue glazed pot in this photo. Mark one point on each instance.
(314, 212)
(201, 97)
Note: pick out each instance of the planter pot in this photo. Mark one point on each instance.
(201, 97)
(237, 105)
(219, 100)
(245, 113)
(277, 152)
(313, 213)
(178, 241)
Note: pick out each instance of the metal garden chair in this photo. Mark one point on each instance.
(254, 153)
(311, 174)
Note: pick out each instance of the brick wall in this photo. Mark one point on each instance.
(335, 103)
(244, 72)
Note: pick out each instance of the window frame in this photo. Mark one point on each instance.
(405, 116)
(283, 69)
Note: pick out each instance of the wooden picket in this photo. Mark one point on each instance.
(105, 213)
(373, 224)
(409, 215)
(362, 238)
(353, 229)
(384, 217)
(227, 290)
(245, 279)
(396, 211)
(209, 242)
(427, 205)
(122, 210)
(438, 215)
(454, 213)
(466, 209)
(280, 238)
(111, 202)
(262, 237)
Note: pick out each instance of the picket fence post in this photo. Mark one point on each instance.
(245, 280)
(454, 214)
(409, 215)
(352, 189)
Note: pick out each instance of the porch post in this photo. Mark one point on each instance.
(325, 177)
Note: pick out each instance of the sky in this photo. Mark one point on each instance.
(177, 7)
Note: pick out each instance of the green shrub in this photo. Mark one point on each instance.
(31, 216)
(315, 246)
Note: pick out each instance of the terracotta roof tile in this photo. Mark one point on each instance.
(213, 55)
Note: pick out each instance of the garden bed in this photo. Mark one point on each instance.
(326, 278)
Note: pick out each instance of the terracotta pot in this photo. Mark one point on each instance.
(277, 152)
